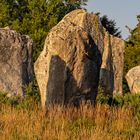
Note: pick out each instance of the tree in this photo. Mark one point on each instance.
(132, 51)
(110, 26)
(35, 17)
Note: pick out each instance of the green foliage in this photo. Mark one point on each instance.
(31, 91)
(131, 100)
(35, 17)
(28, 102)
(8, 101)
(110, 26)
(101, 97)
(132, 52)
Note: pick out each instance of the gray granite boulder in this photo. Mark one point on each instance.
(15, 62)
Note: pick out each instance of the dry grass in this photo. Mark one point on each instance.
(86, 123)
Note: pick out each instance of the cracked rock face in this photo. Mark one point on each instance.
(15, 62)
(67, 70)
(133, 79)
(110, 47)
(76, 51)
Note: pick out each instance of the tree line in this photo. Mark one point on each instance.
(36, 17)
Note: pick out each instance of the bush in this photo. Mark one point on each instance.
(131, 100)
(28, 102)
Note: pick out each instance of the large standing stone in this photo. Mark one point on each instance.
(15, 62)
(67, 70)
(79, 32)
(133, 79)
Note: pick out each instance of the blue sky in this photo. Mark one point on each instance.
(122, 11)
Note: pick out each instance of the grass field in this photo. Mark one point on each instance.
(102, 122)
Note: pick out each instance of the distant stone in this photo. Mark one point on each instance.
(133, 79)
(15, 62)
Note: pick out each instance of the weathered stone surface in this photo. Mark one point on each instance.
(67, 70)
(111, 48)
(111, 73)
(118, 47)
(15, 62)
(133, 79)
(75, 38)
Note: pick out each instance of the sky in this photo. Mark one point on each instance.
(122, 11)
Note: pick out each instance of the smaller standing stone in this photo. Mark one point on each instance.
(15, 62)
